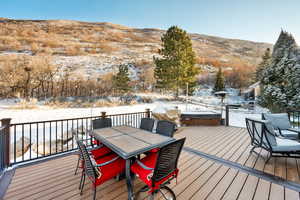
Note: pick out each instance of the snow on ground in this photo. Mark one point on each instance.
(236, 116)
(46, 113)
(202, 101)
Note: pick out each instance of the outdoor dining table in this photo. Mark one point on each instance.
(129, 142)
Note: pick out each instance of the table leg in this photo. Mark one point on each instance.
(128, 180)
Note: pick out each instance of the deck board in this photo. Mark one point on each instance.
(199, 178)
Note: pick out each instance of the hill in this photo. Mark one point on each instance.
(96, 48)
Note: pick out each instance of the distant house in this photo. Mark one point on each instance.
(252, 92)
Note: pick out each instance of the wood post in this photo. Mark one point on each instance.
(6, 141)
(103, 115)
(148, 114)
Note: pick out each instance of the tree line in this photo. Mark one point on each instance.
(174, 70)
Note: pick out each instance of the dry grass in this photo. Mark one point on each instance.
(61, 36)
(26, 104)
(106, 47)
(86, 103)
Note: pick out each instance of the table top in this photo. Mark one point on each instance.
(128, 141)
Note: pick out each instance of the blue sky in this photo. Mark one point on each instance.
(257, 20)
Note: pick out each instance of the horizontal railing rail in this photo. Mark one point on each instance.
(40, 139)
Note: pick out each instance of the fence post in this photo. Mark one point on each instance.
(6, 141)
(103, 115)
(227, 115)
(148, 113)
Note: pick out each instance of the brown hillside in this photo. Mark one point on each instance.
(101, 45)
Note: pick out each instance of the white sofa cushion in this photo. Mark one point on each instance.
(286, 145)
(278, 120)
(270, 133)
(288, 134)
(294, 130)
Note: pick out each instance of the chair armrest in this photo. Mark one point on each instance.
(294, 130)
(108, 162)
(95, 148)
(143, 166)
(279, 130)
(83, 140)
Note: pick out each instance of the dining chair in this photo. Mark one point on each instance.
(157, 170)
(166, 128)
(101, 123)
(99, 170)
(96, 152)
(147, 124)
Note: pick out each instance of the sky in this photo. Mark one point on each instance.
(256, 20)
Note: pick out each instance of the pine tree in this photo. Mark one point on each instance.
(266, 61)
(176, 66)
(121, 80)
(219, 84)
(281, 80)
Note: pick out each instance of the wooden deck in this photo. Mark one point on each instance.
(200, 178)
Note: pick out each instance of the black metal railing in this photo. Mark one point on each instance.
(2, 150)
(4, 145)
(34, 140)
(294, 116)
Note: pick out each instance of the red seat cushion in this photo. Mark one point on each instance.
(146, 175)
(96, 142)
(100, 152)
(154, 150)
(111, 170)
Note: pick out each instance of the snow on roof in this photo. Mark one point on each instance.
(251, 87)
(254, 85)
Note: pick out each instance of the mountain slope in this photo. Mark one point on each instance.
(92, 48)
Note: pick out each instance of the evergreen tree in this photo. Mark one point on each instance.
(281, 80)
(219, 85)
(266, 61)
(121, 79)
(176, 66)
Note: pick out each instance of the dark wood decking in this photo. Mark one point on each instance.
(200, 178)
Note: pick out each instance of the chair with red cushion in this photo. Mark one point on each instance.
(96, 152)
(147, 124)
(165, 128)
(101, 123)
(99, 170)
(158, 169)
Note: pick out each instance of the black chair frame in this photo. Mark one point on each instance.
(166, 164)
(261, 140)
(89, 168)
(147, 124)
(280, 130)
(166, 128)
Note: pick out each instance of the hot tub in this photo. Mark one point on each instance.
(208, 118)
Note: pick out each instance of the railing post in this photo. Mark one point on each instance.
(6, 141)
(103, 115)
(227, 115)
(148, 113)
